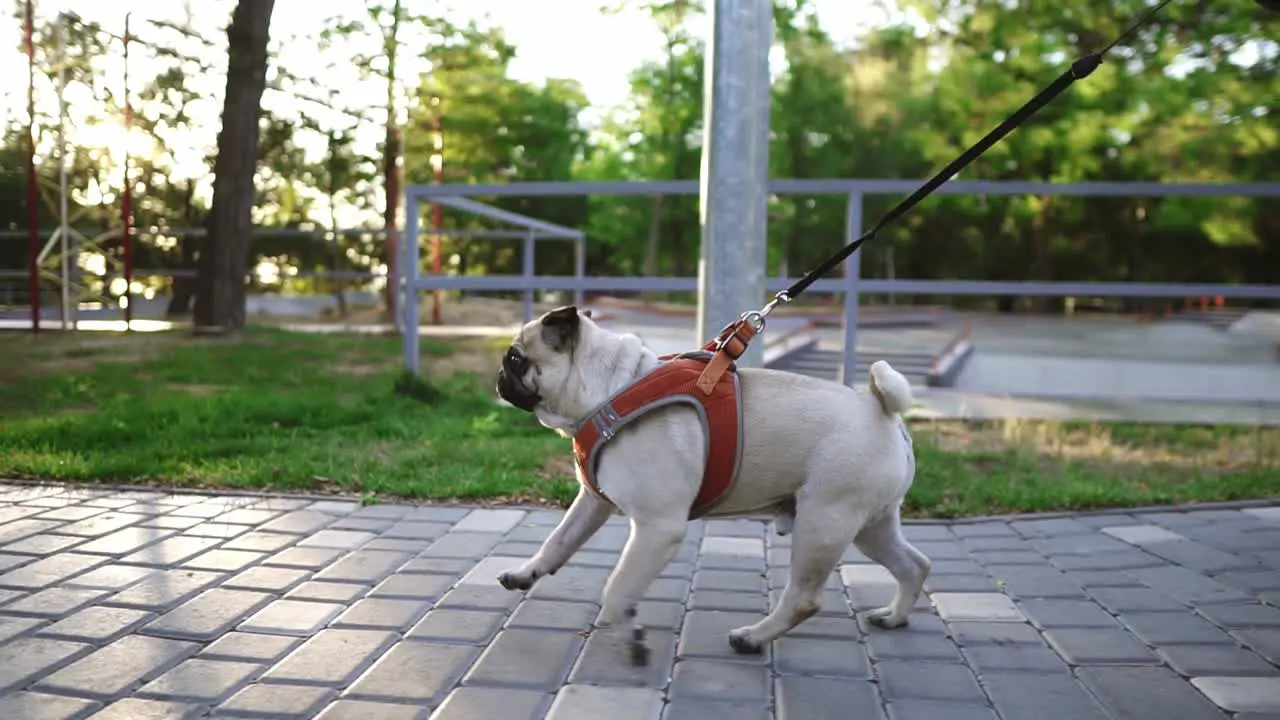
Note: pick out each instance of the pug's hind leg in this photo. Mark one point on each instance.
(584, 517)
(651, 546)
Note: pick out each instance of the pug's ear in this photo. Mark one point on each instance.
(560, 328)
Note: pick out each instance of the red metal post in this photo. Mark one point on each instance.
(437, 212)
(126, 195)
(33, 192)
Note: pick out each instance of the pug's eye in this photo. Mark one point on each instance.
(515, 362)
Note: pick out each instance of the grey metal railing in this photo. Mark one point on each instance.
(412, 281)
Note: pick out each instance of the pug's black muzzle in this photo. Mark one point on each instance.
(511, 385)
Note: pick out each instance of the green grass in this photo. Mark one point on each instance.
(333, 414)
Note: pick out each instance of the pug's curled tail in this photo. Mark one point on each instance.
(890, 388)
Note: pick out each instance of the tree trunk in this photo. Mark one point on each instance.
(224, 260)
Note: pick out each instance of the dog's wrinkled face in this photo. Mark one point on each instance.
(539, 361)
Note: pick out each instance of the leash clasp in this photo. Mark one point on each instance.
(756, 318)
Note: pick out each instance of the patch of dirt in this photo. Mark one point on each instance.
(194, 389)
(362, 369)
(559, 466)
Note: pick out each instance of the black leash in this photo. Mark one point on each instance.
(1081, 68)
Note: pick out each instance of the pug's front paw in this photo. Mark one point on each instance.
(518, 579)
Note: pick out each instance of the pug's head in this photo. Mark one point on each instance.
(540, 370)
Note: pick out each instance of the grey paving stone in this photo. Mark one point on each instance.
(332, 657)
(414, 672)
(1098, 646)
(672, 589)
(712, 546)
(54, 602)
(39, 706)
(10, 561)
(702, 708)
(171, 522)
(553, 615)
(924, 639)
(724, 600)
(532, 659)
(366, 710)
(398, 545)
(468, 626)
(163, 590)
(743, 582)
(102, 524)
(224, 560)
(480, 597)
(1024, 581)
(417, 530)
(1147, 692)
(1198, 556)
(125, 541)
(259, 541)
(1143, 535)
(364, 566)
(1264, 641)
(1024, 657)
(706, 634)
(696, 678)
(462, 545)
(42, 544)
(984, 529)
(934, 709)
(1128, 559)
(739, 563)
(50, 570)
(112, 577)
(982, 607)
(1251, 580)
(216, 530)
(1048, 612)
(943, 550)
(291, 617)
(383, 614)
(332, 592)
(1050, 527)
(368, 525)
(1187, 585)
(605, 660)
(141, 709)
(444, 514)
(1079, 545)
(487, 520)
(277, 702)
(959, 583)
(572, 583)
(471, 703)
(1205, 660)
(201, 680)
(26, 659)
(340, 539)
(412, 586)
(266, 579)
(573, 702)
(299, 522)
(1242, 694)
(309, 558)
(992, 558)
(999, 542)
(1103, 579)
(208, 615)
(1032, 696)
(250, 647)
(1174, 629)
(111, 672)
(812, 656)
(654, 614)
(811, 698)
(1242, 616)
(12, 627)
(900, 680)
(97, 625)
(1121, 600)
(18, 529)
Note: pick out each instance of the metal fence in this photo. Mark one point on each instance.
(412, 281)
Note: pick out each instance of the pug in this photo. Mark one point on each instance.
(832, 463)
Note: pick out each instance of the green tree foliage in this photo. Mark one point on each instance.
(1188, 98)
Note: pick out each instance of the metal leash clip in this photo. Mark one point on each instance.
(756, 318)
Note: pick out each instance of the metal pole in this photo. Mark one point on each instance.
(530, 245)
(64, 231)
(33, 192)
(437, 211)
(126, 195)
(407, 280)
(579, 269)
(852, 271)
(735, 168)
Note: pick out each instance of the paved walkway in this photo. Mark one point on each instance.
(137, 606)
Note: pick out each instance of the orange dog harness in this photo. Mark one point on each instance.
(708, 382)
